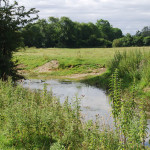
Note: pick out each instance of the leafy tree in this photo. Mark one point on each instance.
(105, 28)
(66, 33)
(116, 33)
(128, 40)
(145, 31)
(125, 41)
(137, 41)
(138, 33)
(36, 34)
(107, 31)
(12, 19)
(146, 41)
(53, 31)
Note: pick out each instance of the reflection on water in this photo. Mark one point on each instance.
(93, 100)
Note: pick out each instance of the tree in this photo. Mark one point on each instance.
(146, 41)
(36, 34)
(116, 33)
(66, 33)
(138, 41)
(105, 29)
(12, 19)
(145, 31)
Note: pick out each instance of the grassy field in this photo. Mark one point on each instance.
(71, 61)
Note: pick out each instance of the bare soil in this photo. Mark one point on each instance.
(48, 67)
(95, 72)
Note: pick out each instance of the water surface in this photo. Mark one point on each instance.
(93, 101)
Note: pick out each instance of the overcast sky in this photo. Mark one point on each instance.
(128, 15)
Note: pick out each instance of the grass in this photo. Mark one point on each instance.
(71, 61)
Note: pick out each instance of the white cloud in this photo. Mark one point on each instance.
(128, 15)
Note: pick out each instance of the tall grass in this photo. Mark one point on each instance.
(131, 65)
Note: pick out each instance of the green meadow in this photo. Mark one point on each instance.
(71, 61)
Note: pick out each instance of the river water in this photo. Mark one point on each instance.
(93, 101)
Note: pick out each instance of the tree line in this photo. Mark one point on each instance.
(63, 32)
(141, 38)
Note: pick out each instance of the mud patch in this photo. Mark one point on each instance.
(95, 72)
(48, 67)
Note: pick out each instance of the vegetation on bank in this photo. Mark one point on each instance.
(37, 120)
(132, 66)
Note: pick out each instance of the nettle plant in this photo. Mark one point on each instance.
(130, 119)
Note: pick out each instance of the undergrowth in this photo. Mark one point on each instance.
(37, 120)
(133, 65)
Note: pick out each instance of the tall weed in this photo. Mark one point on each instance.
(130, 127)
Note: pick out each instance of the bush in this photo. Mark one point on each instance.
(117, 43)
(129, 65)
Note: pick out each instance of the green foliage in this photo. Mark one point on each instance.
(117, 43)
(146, 41)
(115, 95)
(125, 41)
(107, 31)
(138, 41)
(145, 31)
(129, 64)
(132, 65)
(12, 18)
(37, 120)
(141, 38)
(131, 128)
(63, 32)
